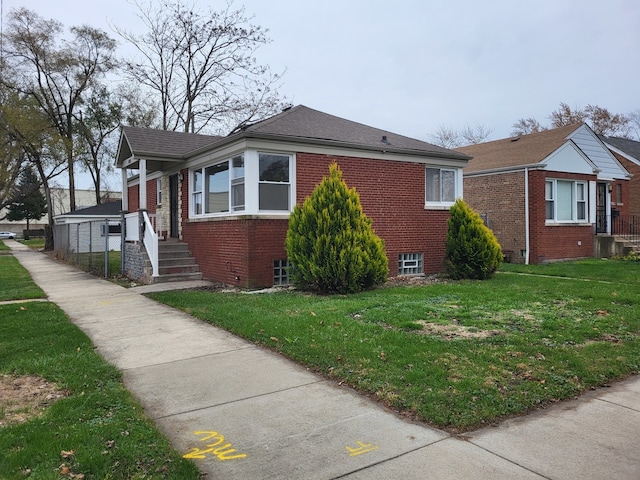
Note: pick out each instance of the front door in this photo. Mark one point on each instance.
(174, 231)
(601, 208)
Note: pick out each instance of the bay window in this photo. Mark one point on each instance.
(252, 182)
(218, 188)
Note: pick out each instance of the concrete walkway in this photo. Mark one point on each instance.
(241, 412)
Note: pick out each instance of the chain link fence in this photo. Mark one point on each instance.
(95, 246)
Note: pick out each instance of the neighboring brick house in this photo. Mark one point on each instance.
(628, 154)
(545, 195)
(229, 198)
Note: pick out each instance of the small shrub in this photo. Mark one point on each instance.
(331, 242)
(472, 250)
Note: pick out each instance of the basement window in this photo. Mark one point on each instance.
(410, 264)
(281, 269)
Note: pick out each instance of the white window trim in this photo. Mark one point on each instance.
(159, 192)
(290, 183)
(442, 205)
(574, 208)
(251, 183)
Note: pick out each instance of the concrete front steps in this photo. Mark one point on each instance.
(626, 244)
(175, 263)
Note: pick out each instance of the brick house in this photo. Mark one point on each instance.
(229, 198)
(628, 154)
(547, 195)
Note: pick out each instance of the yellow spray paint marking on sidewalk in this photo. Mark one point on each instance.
(361, 448)
(214, 448)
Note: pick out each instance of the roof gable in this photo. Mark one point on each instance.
(516, 152)
(536, 150)
(569, 158)
(153, 143)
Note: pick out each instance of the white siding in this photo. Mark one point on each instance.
(568, 158)
(609, 167)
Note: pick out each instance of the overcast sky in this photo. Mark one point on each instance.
(410, 66)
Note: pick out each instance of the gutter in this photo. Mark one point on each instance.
(514, 168)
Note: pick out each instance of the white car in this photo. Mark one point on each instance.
(10, 235)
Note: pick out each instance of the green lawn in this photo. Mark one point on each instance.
(457, 355)
(35, 243)
(15, 281)
(94, 428)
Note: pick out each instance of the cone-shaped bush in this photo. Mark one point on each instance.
(331, 243)
(473, 251)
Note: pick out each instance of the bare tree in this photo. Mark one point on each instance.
(56, 71)
(606, 123)
(599, 118)
(525, 126)
(565, 115)
(474, 135)
(11, 154)
(98, 121)
(201, 65)
(28, 129)
(634, 123)
(449, 137)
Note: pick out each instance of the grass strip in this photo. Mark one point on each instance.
(15, 281)
(457, 355)
(96, 431)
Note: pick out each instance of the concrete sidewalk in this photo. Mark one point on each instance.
(241, 412)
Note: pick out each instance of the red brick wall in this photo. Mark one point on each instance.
(555, 242)
(152, 195)
(630, 188)
(134, 196)
(242, 251)
(501, 198)
(239, 251)
(392, 195)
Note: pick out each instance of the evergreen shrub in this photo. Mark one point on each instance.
(331, 243)
(472, 250)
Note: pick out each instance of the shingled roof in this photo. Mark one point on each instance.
(298, 124)
(629, 147)
(108, 209)
(148, 142)
(306, 124)
(524, 150)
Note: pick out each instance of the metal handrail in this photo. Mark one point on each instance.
(626, 227)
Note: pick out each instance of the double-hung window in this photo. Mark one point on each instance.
(237, 183)
(219, 188)
(274, 188)
(565, 200)
(196, 193)
(440, 185)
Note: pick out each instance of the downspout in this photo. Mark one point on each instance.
(526, 216)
